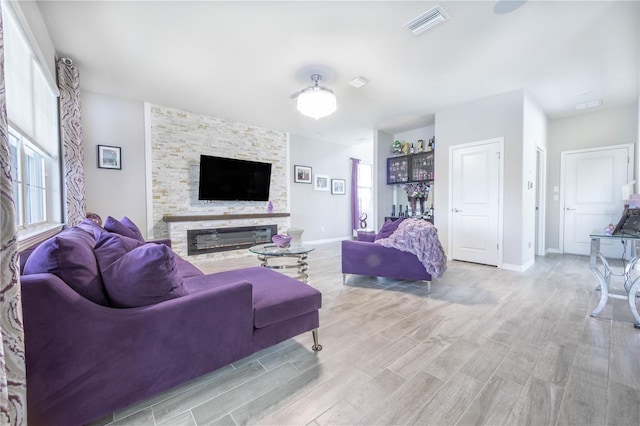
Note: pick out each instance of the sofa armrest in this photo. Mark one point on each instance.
(76, 349)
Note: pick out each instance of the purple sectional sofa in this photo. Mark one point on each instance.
(97, 342)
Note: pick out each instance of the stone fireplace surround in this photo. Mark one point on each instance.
(175, 140)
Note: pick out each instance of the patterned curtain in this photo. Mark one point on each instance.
(71, 134)
(13, 386)
(355, 208)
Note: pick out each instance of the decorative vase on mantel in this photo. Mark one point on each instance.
(422, 210)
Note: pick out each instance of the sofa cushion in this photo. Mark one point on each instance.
(123, 227)
(276, 297)
(186, 269)
(69, 256)
(388, 228)
(137, 274)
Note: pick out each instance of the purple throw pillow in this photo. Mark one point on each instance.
(90, 226)
(137, 274)
(125, 228)
(69, 256)
(132, 227)
(111, 247)
(388, 228)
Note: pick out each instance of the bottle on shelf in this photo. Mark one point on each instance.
(411, 150)
(430, 146)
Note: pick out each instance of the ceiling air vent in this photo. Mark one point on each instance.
(429, 19)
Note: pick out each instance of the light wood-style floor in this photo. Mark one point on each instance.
(488, 346)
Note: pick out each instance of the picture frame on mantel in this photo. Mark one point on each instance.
(338, 186)
(302, 174)
(109, 157)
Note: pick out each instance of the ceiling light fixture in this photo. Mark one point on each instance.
(317, 101)
(358, 82)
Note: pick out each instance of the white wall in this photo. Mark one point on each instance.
(535, 127)
(498, 116)
(601, 127)
(107, 120)
(384, 193)
(322, 215)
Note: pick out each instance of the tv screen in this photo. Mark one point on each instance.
(232, 179)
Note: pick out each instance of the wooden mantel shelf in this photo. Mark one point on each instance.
(198, 218)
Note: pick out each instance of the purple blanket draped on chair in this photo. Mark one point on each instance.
(420, 238)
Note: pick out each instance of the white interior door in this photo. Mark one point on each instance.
(475, 201)
(592, 195)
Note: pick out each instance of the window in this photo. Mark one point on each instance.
(365, 190)
(16, 176)
(33, 130)
(29, 183)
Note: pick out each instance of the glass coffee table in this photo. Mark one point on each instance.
(299, 252)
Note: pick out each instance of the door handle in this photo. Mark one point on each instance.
(569, 208)
(456, 211)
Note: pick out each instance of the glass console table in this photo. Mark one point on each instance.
(300, 252)
(631, 284)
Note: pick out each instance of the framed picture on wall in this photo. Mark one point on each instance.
(109, 157)
(302, 174)
(338, 186)
(321, 182)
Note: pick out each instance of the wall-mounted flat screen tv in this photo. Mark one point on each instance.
(232, 179)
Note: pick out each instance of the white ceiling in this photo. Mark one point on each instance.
(241, 60)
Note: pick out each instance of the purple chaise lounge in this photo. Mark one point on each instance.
(365, 257)
(88, 354)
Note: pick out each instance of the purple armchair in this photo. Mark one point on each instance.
(363, 257)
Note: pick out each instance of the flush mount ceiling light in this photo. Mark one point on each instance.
(316, 101)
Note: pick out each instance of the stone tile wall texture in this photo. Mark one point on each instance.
(178, 138)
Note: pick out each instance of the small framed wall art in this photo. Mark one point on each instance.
(321, 182)
(338, 186)
(302, 174)
(109, 157)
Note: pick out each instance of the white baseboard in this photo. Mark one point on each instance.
(328, 240)
(552, 250)
(518, 268)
